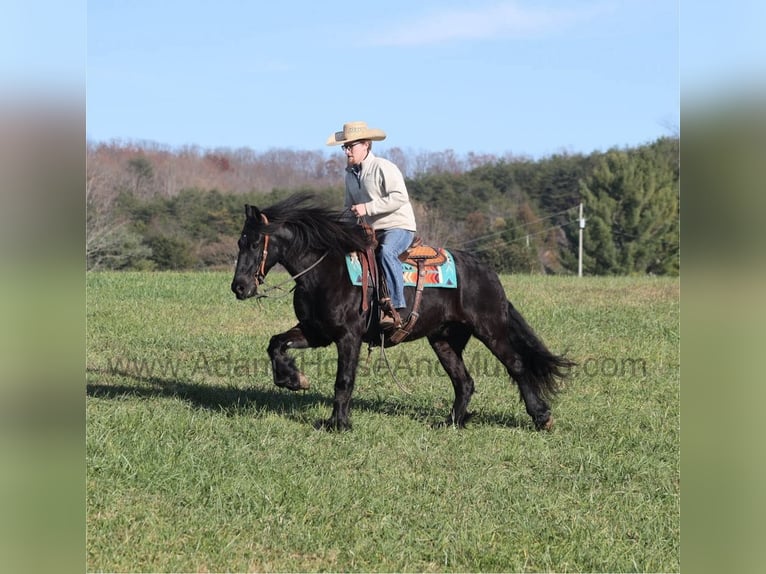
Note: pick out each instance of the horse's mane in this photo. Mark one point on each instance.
(315, 226)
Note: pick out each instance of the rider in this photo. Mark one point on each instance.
(375, 190)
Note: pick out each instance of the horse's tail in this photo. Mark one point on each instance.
(539, 367)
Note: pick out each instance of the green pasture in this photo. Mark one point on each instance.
(196, 462)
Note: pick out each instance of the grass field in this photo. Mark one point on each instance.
(197, 462)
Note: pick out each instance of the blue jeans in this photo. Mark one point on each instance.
(394, 242)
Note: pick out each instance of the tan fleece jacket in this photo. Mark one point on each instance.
(380, 186)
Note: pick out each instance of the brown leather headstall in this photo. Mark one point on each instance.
(260, 276)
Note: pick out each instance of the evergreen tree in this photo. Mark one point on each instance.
(632, 204)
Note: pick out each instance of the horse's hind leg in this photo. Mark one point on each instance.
(286, 374)
(449, 346)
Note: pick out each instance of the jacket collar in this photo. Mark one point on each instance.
(360, 167)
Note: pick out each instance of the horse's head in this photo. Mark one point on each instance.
(297, 233)
(253, 251)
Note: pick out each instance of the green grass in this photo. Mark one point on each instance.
(197, 462)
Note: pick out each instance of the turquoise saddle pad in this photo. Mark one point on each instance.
(443, 275)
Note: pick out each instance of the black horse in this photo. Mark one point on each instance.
(311, 241)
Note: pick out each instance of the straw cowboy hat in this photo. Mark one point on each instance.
(354, 131)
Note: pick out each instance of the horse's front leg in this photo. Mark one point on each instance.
(348, 359)
(286, 374)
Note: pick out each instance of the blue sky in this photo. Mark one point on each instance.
(525, 77)
(723, 52)
(522, 77)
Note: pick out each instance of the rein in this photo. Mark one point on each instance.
(291, 278)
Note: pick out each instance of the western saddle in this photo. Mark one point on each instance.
(417, 255)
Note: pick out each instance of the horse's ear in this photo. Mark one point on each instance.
(251, 212)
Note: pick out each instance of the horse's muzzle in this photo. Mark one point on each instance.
(243, 288)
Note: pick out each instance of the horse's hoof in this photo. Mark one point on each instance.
(548, 424)
(294, 383)
(450, 422)
(332, 424)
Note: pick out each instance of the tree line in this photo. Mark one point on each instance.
(151, 207)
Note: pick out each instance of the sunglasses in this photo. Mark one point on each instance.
(348, 146)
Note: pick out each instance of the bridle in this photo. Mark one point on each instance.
(260, 274)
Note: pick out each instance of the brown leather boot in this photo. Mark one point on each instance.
(389, 317)
(387, 322)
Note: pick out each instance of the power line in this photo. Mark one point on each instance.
(493, 234)
(488, 247)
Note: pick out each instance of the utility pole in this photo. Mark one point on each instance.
(579, 260)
